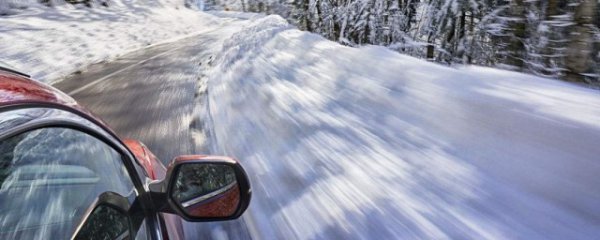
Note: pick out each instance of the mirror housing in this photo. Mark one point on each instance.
(203, 188)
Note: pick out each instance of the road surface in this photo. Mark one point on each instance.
(151, 95)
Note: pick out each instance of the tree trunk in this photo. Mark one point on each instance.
(319, 22)
(411, 10)
(516, 45)
(581, 44)
(450, 43)
(553, 35)
(430, 49)
(551, 9)
(460, 48)
(305, 15)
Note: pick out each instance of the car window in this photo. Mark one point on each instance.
(48, 179)
(105, 223)
(142, 233)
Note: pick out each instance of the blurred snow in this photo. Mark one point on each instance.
(358, 143)
(49, 43)
(347, 143)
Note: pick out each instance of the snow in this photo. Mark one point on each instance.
(49, 43)
(357, 143)
(364, 143)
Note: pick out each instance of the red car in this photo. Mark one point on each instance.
(64, 174)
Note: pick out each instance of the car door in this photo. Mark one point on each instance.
(55, 166)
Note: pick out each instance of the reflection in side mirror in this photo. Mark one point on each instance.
(206, 190)
(203, 188)
(97, 227)
(107, 220)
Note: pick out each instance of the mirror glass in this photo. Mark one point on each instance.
(207, 190)
(105, 222)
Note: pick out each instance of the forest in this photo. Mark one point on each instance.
(550, 38)
(553, 38)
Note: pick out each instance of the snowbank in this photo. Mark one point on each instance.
(345, 143)
(49, 43)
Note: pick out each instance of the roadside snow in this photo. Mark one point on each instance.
(49, 43)
(345, 143)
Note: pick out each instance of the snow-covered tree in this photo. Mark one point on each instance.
(553, 38)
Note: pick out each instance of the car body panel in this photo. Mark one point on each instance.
(155, 170)
(15, 88)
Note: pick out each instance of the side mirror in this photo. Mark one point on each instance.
(203, 188)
